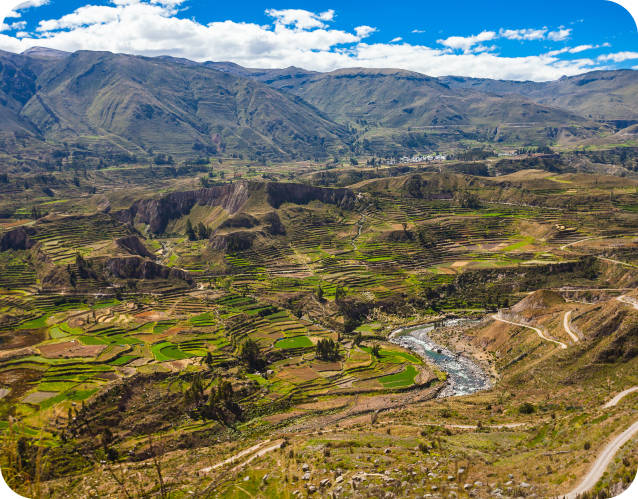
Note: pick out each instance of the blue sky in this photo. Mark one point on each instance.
(539, 40)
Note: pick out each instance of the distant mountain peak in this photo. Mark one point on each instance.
(46, 52)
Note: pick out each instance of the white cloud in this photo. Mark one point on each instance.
(295, 38)
(561, 34)
(522, 34)
(26, 5)
(576, 50)
(300, 19)
(363, 31)
(618, 57)
(397, 39)
(465, 43)
(417, 31)
(9, 27)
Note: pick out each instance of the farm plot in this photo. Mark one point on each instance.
(294, 342)
(400, 380)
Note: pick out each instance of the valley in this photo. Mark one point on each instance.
(218, 281)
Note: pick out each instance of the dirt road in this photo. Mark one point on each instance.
(252, 452)
(567, 328)
(623, 299)
(600, 465)
(538, 331)
(619, 397)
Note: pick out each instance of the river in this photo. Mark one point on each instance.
(464, 376)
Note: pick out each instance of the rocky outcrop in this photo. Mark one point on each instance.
(135, 267)
(18, 239)
(280, 193)
(272, 224)
(133, 246)
(158, 212)
(235, 241)
(239, 220)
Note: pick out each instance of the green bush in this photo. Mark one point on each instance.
(526, 408)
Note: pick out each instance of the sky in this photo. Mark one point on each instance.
(534, 40)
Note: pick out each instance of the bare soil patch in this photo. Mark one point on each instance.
(301, 373)
(71, 349)
(326, 404)
(326, 366)
(21, 339)
(37, 397)
(277, 418)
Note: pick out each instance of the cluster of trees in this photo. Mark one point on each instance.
(214, 405)
(493, 300)
(199, 232)
(327, 349)
(250, 354)
(36, 214)
(474, 154)
(469, 200)
(589, 267)
(537, 150)
(414, 140)
(163, 159)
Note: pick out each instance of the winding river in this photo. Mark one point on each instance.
(464, 376)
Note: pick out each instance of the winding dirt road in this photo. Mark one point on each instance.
(252, 453)
(538, 331)
(600, 465)
(623, 299)
(619, 397)
(568, 330)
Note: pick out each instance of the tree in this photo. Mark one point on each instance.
(208, 360)
(327, 349)
(358, 339)
(526, 408)
(376, 350)
(203, 232)
(319, 293)
(190, 232)
(250, 354)
(340, 293)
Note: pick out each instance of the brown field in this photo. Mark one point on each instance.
(327, 404)
(71, 349)
(326, 366)
(37, 397)
(301, 373)
(278, 418)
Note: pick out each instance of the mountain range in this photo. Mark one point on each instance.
(178, 106)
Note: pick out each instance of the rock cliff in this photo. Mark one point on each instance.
(135, 267)
(133, 246)
(158, 212)
(279, 193)
(18, 239)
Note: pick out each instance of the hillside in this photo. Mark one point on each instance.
(607, 95)
(141, 104)
(399, 98)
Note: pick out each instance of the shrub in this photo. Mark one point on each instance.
(526, 408)
(587, 446)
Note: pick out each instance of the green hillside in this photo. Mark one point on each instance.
(609, 95)
(173, 108)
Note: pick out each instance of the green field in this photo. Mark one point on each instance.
(400, 380)
(296, 342)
